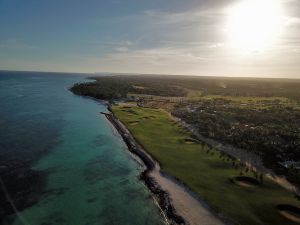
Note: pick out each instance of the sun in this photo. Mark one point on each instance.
(254, 25)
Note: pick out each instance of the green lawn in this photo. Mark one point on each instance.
(205, 173)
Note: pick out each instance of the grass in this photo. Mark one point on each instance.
(204, 172)
(247, 99)
(155, 97)
(239, 101)
(198, 95)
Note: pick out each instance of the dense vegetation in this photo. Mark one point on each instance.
(117, 86)
(105, 89)
(205, 170)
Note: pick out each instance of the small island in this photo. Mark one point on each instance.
(229, 144)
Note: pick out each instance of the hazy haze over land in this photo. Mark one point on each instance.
(159, 36)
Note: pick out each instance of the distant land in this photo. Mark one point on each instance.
(91, 74)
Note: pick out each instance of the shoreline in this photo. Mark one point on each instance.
(161, 196)
(180, 206)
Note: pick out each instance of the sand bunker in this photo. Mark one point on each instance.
(134, 123)
(190, 140)
(245, 181)
(290, 212)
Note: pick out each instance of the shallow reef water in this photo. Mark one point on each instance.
(60, 161)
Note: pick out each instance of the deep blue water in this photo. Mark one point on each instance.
(60, 160)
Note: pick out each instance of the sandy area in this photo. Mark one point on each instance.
(290, 216)
(185, 203)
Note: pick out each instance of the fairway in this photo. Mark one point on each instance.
(203, 170)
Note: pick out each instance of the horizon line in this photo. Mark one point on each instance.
(152, 74)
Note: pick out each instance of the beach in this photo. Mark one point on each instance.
(179, 205)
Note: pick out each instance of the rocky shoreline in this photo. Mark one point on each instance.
(160, 195)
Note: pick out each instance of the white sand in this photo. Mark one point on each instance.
(186, 205)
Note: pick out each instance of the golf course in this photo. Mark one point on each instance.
(218, 179)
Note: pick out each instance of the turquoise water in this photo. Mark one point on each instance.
(80, 170)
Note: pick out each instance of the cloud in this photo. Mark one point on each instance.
(122, 49)
(189, 39)
(113, 43)
(206, 16)
(292, 21)
(150, 27)
(14, 44)
(193, 40)
(182, 60)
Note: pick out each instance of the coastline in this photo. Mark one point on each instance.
(179, 205)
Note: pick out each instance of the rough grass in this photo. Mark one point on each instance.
(205, 172)
(247, 99)
(198, 95)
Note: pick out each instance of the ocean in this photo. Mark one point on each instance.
(61, 162)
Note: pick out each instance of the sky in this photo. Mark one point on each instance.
(142, 36)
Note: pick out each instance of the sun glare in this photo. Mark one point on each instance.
(254, 25)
